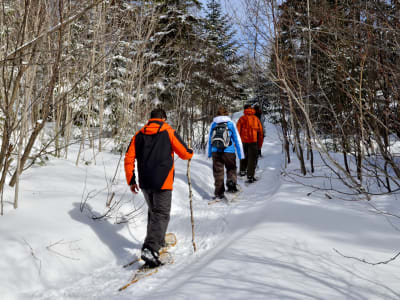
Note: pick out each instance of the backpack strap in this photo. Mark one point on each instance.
(157, 122)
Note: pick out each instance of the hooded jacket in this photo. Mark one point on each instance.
(153, 147)
(236, 142)
(250, 129)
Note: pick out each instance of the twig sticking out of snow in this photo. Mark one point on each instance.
(34, 256)
(367, 262)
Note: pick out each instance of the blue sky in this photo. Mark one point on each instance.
(229, 6)
(236, 10)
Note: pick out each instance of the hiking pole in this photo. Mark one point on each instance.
(190, 198)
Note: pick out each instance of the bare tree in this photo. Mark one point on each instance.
(336, 73)
(30, 59)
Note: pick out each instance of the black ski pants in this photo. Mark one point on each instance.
(222, 160)
(249, 163)
(159, 209)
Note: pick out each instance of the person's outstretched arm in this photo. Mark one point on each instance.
(129, 165)
(179, 146)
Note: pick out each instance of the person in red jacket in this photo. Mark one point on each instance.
(259, 115)
(251, 133)
(153, 148)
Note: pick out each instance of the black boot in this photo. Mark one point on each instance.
(251, 179)
(232, 187)
(150, 257)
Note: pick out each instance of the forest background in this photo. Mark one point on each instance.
(327, 72)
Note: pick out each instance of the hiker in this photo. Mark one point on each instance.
(251, 133)
(259, 115)
(222, 141)
(153, 147)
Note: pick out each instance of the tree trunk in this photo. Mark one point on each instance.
(45, 107)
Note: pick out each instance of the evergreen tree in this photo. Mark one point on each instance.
(175, 34)
(220, 32)
(224, 66)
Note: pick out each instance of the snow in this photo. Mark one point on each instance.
(277, 242)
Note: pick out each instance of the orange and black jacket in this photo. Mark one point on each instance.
(153, 147)
(250, 129)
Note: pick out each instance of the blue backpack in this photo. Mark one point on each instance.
(220, 137)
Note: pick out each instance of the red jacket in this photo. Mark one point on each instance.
(250, 129)
(153, 147)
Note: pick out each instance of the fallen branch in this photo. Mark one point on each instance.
(60, 242)
(34, 256)
(367, 262)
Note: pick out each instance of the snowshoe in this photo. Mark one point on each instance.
(147, 270)
(251, 180)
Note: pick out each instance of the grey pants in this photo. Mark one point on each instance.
(159, 208)
(222, 160)
(249, 163)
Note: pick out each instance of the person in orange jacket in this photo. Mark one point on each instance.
(251, 133)
(259, 115)
(153, 148)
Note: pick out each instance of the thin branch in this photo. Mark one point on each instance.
(12, 55)
(33, 255)
(367, 262)
(60, 242)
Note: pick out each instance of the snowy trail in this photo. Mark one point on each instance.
(275, 243)
(218, 227)
(233, 222)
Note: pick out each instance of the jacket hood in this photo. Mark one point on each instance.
(154, 126)
(221, 119)
(249, 111)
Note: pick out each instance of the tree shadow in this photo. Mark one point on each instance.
(198, 188)
(107, 233)
(308, 274)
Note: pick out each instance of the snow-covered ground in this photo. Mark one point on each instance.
(277, 242)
